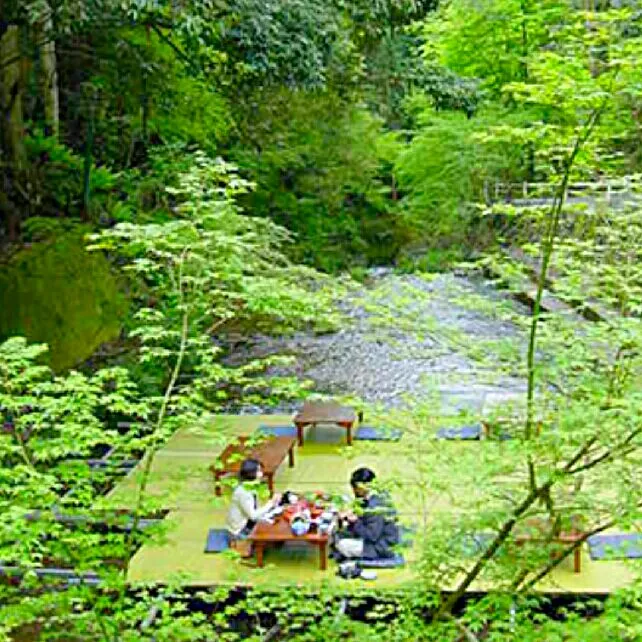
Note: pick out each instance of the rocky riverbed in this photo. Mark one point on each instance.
(405, 336)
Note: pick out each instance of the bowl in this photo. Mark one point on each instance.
(300, 527)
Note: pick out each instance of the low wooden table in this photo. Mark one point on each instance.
(264, 534)
(324, 412)
(270, 453)
(571, 536)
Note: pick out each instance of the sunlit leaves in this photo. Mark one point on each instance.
(210, 266)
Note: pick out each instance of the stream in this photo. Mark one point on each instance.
(412, 346)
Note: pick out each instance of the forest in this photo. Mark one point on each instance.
(213, 211)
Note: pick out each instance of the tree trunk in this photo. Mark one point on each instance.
(89, 148)
(49, 73)
(11, 96)
(12, 124)
(10, 212)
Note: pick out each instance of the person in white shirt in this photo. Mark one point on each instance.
(244, 511)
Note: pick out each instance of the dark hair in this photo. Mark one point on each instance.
(249, 469)
(362, 476)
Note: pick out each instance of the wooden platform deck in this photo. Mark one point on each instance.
(181, 483)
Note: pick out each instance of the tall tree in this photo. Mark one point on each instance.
(13, 152)
(45, 38)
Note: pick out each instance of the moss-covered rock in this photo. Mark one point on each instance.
(56, 292)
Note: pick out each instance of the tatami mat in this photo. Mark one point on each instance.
(181, 483)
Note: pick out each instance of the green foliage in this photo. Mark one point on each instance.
(52, 418)
(148, 74)
(445, 168)
(143, 188)
(569, 84)
(321, 168)
(549, 91)
(55, 292)
(191, 112)
(374, 19)
(145, 93)
(493, 39)
(392, 44)
(562, 94)
(208, 267)
(449, 91)
(205, 267)
(56, 179)
(611, 277)
(432, 260)
(397, 72)
(50, 424)
(287, 42)
(587, 409)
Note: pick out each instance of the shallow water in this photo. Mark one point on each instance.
(406, 336)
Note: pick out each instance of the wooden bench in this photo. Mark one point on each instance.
(271, 452)
(537, 530)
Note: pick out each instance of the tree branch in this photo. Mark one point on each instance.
(500, 538)
(129, 540)
(505, 531)
(465, 631)
(558, 560)
(547, 253)
(168, 41)
(620, 449)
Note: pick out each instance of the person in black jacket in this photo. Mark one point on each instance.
(372, 533)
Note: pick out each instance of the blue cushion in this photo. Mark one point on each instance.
(218, 539)
(370, 433)
(473, 431)
(617, 546)
(278, 431)
(385, 562)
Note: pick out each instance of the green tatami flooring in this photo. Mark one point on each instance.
(181, 483)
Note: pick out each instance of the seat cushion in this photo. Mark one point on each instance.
(278, 431)
(372, 433)
(386, 562)
(473, 431)
(218, 539)
(615, 546)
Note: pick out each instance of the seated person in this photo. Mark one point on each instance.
(244, 511)
(372, 534)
